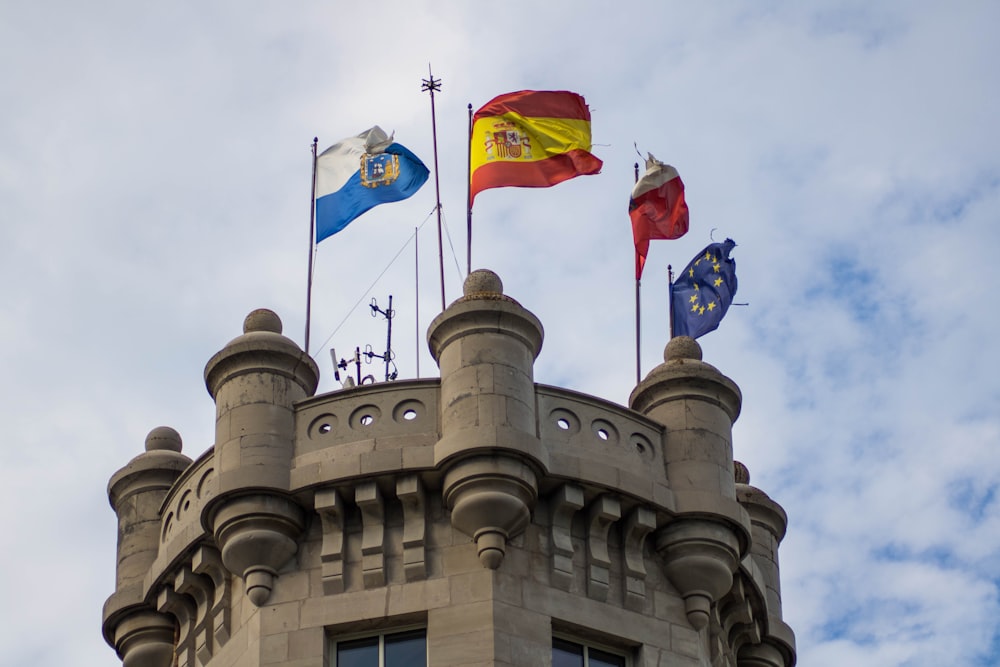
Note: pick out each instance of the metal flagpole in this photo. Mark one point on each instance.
(670, 297)
(431, 85)
(416, 281)
(468, 201)
(638, 310)
(312, 245)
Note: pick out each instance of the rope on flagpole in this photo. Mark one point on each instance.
(454, 255)
(375, 282)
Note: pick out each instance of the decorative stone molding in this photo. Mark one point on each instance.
(257, 535)
(410, 492)
(200, 589)
(564, 504)
(331, 513)
(145, 639)
(602, 513)
(739, 624)
(207, 561)
(762, 655)
(183, 609)
(639, 523)
(490, 498)
(369, 500)
(699, 557)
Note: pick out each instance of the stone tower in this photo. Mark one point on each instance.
(476, 519)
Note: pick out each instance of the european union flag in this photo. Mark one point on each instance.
(702, 293)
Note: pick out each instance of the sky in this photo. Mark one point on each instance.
(155, 163)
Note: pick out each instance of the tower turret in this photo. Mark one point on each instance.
(704, 543)
(142, 636)
(485, 345)
(255, 381)
(768, 523)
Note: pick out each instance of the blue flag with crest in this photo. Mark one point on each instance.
(701, 295)
(359, 173)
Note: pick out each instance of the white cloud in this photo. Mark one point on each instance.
(154, 189)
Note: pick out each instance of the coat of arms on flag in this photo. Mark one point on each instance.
(379, 169)
(505, 141)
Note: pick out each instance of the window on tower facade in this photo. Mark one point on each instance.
(399, 649)
(566, 653)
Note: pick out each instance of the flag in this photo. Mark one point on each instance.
(359, 173)
(657, 208)
(530, 139)
(701, 295)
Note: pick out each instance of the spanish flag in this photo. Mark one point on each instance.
(530, 139)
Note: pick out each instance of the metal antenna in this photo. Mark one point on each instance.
(430, 84)
(389, 357)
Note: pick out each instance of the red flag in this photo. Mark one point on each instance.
(657, 209)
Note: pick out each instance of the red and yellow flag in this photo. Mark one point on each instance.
(530, 139)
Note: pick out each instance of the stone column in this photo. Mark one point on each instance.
(485, 345)
(703, 545)
(141, 636)
(255, 380)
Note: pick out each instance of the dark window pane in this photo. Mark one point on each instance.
(566, 654)
(602, 659)
(358, 653)
(406, 649)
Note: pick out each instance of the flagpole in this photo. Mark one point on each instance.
(416, 281)
(468, 201)
(312, 245)
(670, 297)
(430, 84)
(638, 307)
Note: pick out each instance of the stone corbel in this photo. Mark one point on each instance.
(410, 492)
(369, 500)
(183, 609)
(603, 512)
(739, 626)
(199, 588)
(640, 522)
(331, 512)
(207, 561)
(565, 503)
(490, 498)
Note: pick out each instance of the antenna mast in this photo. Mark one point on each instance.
(430, 84)
(391, 372)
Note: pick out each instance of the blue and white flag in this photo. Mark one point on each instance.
(359, 173)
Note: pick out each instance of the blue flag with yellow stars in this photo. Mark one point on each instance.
(702, 293)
